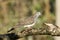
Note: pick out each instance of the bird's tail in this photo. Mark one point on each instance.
(11, 29)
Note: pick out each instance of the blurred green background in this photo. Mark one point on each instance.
(13, 11)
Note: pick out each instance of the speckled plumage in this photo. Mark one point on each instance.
(28, 22)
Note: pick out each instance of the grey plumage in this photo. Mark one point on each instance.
(29, 22)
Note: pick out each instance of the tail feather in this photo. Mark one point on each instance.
(11, 29)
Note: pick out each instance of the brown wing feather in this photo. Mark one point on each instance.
(27, 21)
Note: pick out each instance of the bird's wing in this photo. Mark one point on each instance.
(28, 21)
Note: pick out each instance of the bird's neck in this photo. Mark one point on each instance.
(36, 18)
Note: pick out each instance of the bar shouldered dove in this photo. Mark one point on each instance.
(29, 22)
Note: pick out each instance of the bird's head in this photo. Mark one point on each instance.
(38, 13)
